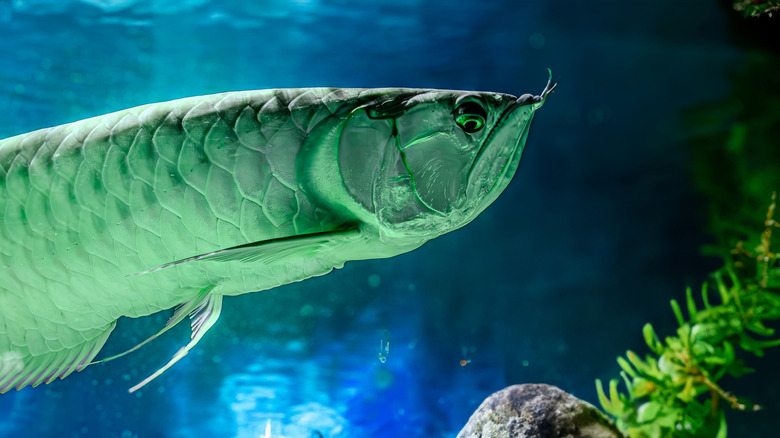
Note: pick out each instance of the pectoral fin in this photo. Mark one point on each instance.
(268, 251)
(205, 308)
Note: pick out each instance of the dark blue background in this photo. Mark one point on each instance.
(599, 229)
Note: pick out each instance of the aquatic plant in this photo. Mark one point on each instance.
(735, 158)
(674, 391)
(755, 8)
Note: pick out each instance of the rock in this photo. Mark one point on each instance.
(537, 411)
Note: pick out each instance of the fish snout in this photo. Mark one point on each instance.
(527, 99)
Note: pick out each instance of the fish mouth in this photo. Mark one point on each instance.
(523, 100)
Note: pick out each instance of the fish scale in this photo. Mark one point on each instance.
(180, 203)
(122, 195)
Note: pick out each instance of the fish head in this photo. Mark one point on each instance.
(426, 162)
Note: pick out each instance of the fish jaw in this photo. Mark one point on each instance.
(499, 157)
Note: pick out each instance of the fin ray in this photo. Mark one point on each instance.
(181, 312)
(203, 317)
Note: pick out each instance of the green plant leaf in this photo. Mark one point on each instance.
(665, 366)
(668, 419)
(627, 382)
(688, 393)
(759, 328)
(692, 310)
(702, 350)
(723, 291)
(677, 312)
(722, 428)
(684, 334)
(651, 339)
(773, 278)
(611, 405)
(625, 366)
(728, 351)
(647, 412)
(614, 395)
(705, 296)
(640, 366)
(642, 387)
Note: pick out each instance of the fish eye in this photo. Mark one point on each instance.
(470, 116)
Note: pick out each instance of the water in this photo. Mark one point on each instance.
(599, 229)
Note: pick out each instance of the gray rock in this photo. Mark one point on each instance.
(537, 411)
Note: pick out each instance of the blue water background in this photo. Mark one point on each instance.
(599, 229)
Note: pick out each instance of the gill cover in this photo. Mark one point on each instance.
(428, 161)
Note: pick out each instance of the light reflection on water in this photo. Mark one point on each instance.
(282, 398)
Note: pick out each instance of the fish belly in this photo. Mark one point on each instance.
(84, 205)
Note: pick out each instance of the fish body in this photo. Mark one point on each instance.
(181, 203)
